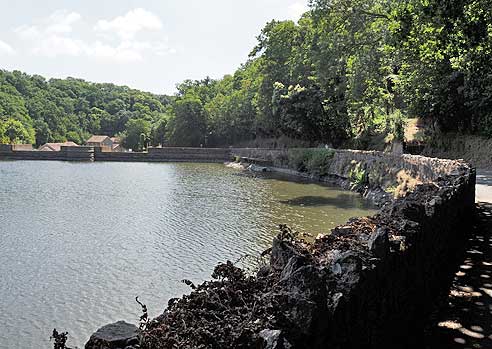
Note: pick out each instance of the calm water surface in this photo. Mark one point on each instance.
(78, 241)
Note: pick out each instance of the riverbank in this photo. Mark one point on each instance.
(367, 284)
(380, 177)
(376, 195)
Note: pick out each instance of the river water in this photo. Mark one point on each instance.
(78, 241)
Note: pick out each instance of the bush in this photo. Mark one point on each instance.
(318, 161)
(313, 161)
(358, 177)
(297, 159)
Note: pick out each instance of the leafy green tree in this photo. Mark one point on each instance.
(74, 137)
(159, 130)
(13, 131)
(188, 127)
(137, 134)
(43, 132)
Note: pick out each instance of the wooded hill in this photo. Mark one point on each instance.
(348, 70)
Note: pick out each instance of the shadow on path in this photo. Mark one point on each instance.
(466, 320)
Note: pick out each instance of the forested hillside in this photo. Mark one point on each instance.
(347, 70)
(34, 110)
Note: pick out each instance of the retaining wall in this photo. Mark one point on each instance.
(382, 168)
(474, 149)
(65, 154)
(218, 155)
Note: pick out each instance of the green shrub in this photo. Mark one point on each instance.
(297, 159)
(358, 177)
(313, 161)
(319, 160)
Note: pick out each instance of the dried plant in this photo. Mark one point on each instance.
(144, 318)
(60, 339)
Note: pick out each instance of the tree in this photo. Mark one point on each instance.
(159, 130)
(43, 132)
(188, 127)
(303, 116)
(12, 131)
(137, 134)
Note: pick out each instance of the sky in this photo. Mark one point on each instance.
(150, 45)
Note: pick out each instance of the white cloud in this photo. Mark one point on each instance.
(128, 25)
(118, 53)
(28, 32)
(55, 36)
(6, 49)
(296, 10)
(61, 21)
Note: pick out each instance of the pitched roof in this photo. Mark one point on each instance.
(57, 146)
(116, 140)
(97, 139)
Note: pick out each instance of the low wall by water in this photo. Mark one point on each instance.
(382, 168)
(169, 154)
(219, 155)
(7, 152)
(371, 283)
(377, 175)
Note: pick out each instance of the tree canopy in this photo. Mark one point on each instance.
(347, 68)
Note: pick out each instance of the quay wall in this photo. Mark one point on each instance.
(65, 154)
(219, 155)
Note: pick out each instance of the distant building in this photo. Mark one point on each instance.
(56, 146)
(100, 141)
(118, 148)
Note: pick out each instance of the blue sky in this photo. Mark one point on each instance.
(147, 44)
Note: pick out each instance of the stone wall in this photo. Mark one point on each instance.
(65, 154)
(218, 155)
(382, 168)
(474, 149)
(169, 154)
(382, 172)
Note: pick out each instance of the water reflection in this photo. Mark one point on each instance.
(341, 201)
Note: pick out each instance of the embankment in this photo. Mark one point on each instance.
(170, 154)
(378, 176)
(219, 155)
(369, 284)
(8, 152)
